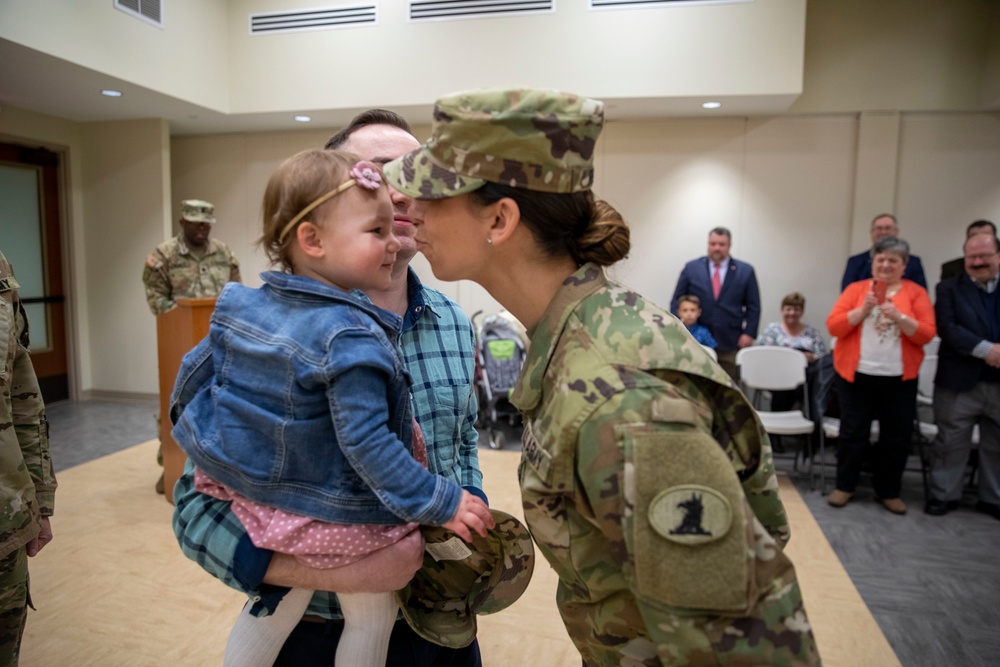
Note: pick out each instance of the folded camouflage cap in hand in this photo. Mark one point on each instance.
(459, 580)
(539, 140)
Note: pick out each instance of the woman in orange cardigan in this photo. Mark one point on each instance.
(880, 338)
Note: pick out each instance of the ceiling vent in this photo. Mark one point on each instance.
(648, 4)
(432, 10)
(150, 11)
(314, 19)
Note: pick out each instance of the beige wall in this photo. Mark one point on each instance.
(126, 179)
(798, 191)
(742, 49)
(188, 59)
(788, 188)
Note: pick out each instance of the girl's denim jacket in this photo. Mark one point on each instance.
(298, 399)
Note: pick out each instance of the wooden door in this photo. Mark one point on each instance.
(32, 242)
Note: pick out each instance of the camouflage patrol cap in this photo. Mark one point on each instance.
(539, 140)
(459, 580)
(196, 210)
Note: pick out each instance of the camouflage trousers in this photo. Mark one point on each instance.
(14, 602)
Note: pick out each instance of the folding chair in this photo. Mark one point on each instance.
(782, 369)
(711, 352)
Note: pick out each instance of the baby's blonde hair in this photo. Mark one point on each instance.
(298, 182)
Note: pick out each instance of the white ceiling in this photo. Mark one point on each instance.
(38, 82)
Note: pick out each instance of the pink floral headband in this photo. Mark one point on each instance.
(364, 174)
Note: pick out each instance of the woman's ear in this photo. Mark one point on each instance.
(506, 219)
(308, 237)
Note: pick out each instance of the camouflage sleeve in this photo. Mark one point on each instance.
(234, 269)
(31, 427)
(738, 430)
(159, 296)
(711, 586)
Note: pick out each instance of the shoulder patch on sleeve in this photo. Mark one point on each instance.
(152, 262)
(691, 514)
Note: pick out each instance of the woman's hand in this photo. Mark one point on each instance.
(891, 312)
(858, 315)
(870, 303)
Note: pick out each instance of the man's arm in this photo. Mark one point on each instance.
(234, 269)
(752, 306)
(31, 427)
(950, 328)
(211, 535)
(683, 287)
(159, 295)
(28, 415)
(471, 477)
(915, 269)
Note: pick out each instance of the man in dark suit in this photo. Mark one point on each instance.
(730, 298)
(859, 267)
(956, 267)
(967, 384)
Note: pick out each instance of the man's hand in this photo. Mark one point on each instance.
(745, 340)
(43, 538)
(386, 570)
(993, 356)
(472, 513)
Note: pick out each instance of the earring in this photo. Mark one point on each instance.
(490, 241)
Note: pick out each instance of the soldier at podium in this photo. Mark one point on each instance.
(191, 265)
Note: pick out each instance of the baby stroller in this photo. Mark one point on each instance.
(501, 347)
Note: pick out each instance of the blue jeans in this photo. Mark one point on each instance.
(314, 644)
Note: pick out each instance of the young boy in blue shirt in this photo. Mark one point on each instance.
(689, 310)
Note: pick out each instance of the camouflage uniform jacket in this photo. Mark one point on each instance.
(172, 271)
(27, 483)
(648, 483)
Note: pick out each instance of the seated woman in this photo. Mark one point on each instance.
(881, 327)
(792, 332)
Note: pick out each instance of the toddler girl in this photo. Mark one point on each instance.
(300, 412)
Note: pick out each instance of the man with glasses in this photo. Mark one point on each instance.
(859, 267)
(967, 384)
(956, 267)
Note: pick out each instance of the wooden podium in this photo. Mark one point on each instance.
(177, 332)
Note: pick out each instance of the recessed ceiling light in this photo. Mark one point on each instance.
(711, 105)
(303, 119)
(111, 93)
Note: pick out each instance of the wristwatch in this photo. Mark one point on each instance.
(902, 318)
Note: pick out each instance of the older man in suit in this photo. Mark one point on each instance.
(967, 384)
(730, 298)
(859, 267)
(956, 267)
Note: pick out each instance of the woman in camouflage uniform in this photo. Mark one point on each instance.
(647, 479)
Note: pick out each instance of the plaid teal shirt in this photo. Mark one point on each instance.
(438, 345)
